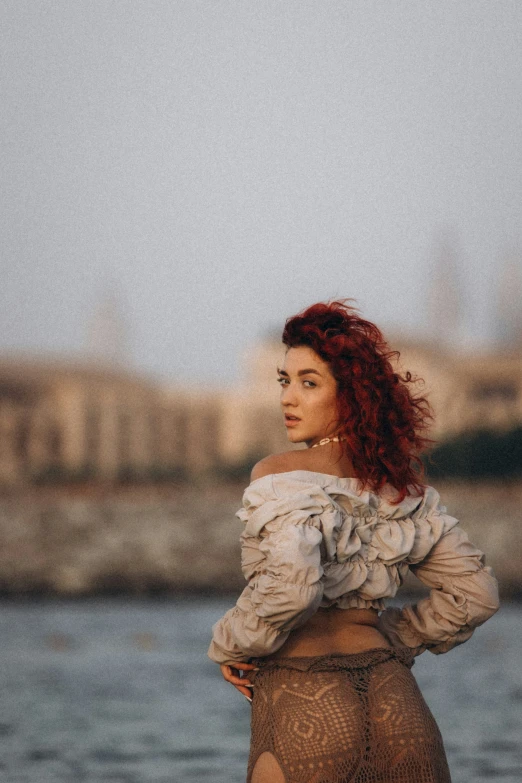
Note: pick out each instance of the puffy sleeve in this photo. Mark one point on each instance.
(281, 558)
(463, 595)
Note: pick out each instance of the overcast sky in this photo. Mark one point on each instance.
(221, 165)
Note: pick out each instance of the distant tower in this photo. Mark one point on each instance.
(508, 312)
(445, 293)
(108, 332)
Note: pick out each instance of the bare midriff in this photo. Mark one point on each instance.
(334, 630)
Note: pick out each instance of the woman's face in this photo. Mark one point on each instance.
(309, 395)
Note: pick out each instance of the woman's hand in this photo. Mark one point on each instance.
(231, 674)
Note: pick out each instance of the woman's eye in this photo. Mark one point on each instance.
(282, 381)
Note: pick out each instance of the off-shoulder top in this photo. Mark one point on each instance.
(313, 540)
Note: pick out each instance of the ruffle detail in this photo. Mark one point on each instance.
(368, 544)
(313, 540)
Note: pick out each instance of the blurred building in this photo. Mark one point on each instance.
(69, 420)
(468, 391)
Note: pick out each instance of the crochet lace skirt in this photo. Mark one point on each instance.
(343, 718)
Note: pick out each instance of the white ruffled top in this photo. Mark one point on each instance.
(314, 540)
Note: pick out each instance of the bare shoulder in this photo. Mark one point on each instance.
(279, 463)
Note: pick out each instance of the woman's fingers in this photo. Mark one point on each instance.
(245, 691)
(231, 674)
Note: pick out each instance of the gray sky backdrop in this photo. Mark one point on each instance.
(221, 165)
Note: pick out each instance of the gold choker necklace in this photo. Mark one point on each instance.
(327, 440)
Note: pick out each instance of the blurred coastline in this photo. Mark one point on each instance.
(149, 540)
(113, 484)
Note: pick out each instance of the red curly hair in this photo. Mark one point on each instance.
(381, 419)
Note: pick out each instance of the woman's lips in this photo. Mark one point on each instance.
(291, 422)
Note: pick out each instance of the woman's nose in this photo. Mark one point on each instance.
(288, 395)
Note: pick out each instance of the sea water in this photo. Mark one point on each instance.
(122, 691)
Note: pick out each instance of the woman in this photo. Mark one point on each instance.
(330, 533)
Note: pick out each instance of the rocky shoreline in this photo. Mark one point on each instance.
(185, 538)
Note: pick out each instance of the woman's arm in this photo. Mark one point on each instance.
(464, 595)
(283, 594)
